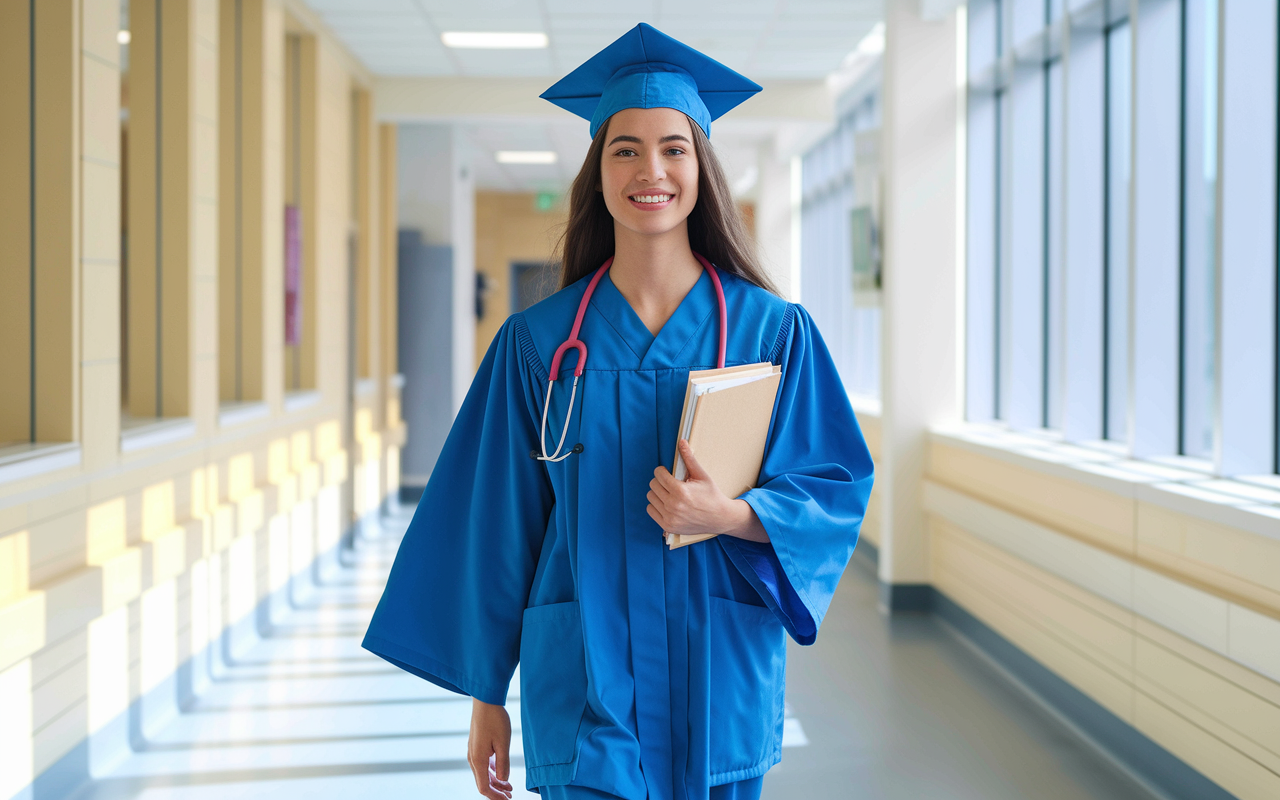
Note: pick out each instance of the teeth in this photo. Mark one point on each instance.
(651, 198)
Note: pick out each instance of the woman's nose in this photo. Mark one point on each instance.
(651, 169)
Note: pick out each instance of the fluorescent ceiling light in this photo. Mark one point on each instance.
(494, 41)
(526, 157)
(122, 37)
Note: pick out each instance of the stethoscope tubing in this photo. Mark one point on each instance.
(576, 343)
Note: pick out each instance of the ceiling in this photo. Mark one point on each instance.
(767, 40)
(763, 39)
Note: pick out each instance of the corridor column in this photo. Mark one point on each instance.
(923, 212)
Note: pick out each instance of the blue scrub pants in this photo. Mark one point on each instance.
(740, 790)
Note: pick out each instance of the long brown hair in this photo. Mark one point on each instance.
(715, 226)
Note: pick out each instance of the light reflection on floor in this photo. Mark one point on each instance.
(306, 713)
(893, 709)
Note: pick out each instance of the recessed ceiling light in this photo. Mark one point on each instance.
(123, 37)
(526, 157)
(494, 41)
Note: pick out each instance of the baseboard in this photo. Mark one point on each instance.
(126, 733)
(908, 597)
(1149, 763)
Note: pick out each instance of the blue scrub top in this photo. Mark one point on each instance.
(644, 672)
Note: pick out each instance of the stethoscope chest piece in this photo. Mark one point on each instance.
(577, 448)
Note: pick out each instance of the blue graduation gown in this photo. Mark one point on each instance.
(645, 672)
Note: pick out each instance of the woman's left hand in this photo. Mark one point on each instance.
(697, 506)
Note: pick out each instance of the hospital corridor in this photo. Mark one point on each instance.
(339, 340)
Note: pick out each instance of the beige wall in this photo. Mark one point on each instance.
(126, 555)
(509, 227)
(1164, 610)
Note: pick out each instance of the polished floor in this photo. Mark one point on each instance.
(879, 708)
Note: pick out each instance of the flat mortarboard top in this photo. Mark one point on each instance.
(645, 68)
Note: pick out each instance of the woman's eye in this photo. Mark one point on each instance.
(675, 151)
(626, 152)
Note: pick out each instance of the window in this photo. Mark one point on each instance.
(1115, 397)
(1122, 222)
(156, 196)
(1199, 225)
(839, 230)
(301, 212)
(40, 221)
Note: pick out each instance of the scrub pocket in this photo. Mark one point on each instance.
(553, 683)
(748, 676)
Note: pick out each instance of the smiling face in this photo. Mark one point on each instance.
(649, 170)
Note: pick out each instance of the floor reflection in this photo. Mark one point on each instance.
(304, 712)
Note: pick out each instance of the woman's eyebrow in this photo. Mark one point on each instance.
(672, 138)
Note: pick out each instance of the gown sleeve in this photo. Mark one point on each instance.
(452, 608)
(814, 484)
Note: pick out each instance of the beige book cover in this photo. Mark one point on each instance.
(727, 430)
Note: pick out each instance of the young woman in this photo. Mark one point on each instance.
(645, 672)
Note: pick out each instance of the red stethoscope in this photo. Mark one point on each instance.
(574, 342)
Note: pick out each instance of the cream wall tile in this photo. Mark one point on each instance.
(100, 191)
(1229, 704)
(57, 546)
(1159, 527)
(1216, 663)
(56, 504)
(1109, 643)
(73, 602)
(22, 626)
(100, 20)
(101, 108)
(1117, 614)
(15, 565)
(58, 656)
(60, 693)
(16, 761)
(1235, 552)
(60, 736)
(121, 579)
(1104, 686)
(100, 413)
(1083, 510)
(101, 311)
(1228, 767)
(205, 94)
(204, 313)
(1227, 585)
(1254, 640)
(1100, 572)
(12, 518)
(206, 167)
(1197, 615)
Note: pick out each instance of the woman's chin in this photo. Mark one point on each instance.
(655, 224)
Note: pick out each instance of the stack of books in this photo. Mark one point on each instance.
(726, 420)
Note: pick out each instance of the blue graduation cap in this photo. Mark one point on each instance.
(645, 68)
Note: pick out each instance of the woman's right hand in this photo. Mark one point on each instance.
(489, 750)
